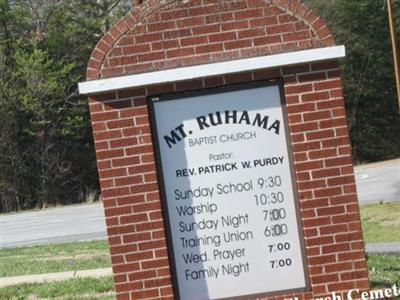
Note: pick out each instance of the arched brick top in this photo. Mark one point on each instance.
(164, 34)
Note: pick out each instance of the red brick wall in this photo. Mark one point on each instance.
(168, 34)
(317, 122)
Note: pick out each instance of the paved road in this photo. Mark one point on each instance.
(375, 182)
(387, 248)
(378, 182)
(70, 223)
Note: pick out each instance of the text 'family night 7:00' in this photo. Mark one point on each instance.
(228, 193)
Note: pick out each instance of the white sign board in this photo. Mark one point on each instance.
(228, 190)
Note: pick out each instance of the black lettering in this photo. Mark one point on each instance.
(245, 118)
(275, 126)
(215, 122)
(260, 123)
(229, 115)
(172, 139)
(202, 121)
(181, 131)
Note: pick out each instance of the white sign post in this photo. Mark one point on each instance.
(228, 190)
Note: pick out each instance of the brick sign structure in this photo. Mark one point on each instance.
(223, 153)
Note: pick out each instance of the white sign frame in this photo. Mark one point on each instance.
(152, 102)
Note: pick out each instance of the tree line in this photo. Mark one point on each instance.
(46, 145)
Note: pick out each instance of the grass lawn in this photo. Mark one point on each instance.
(384, 270)
(54, 258)
(57, 258)
(73, 289)
(381, 222)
